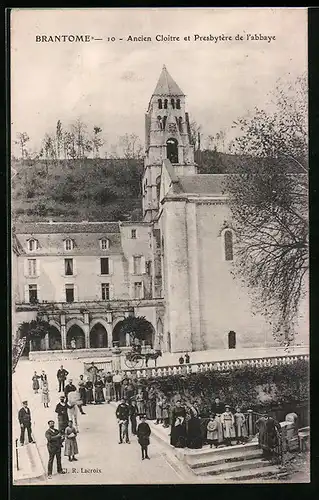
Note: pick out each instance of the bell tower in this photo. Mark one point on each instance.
(167, 135)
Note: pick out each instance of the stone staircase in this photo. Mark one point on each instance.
(236, 463)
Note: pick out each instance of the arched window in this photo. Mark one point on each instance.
(68, 244)
(180, 124)
(172, 150)
(159, 122)
(160, 104)
(178, 104)
(232, 340)
(173, 103)
(228, 244)
(165, 103)
(33, 245)
(164, 122)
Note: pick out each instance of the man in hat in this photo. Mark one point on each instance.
(62, 410)
(122, 415)
(24, 417)
(70, 387)
(227, 421)
(54, 445)
(62, 373)
(143, 436)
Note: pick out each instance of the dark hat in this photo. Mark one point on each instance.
(24, 402)
(62, 397)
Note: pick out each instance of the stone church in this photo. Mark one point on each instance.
(174, 267)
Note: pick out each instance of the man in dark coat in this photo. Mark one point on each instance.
(69, 388)
(122, 415)
(218, 407)
(24, 417)
(187, 359)
(62, 410)
(133, 413)
(62, 373)
(54, 445)
(143, 436)
(178, 427)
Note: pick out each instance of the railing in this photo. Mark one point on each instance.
(220, 366)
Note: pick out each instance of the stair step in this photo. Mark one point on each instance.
(269, 470)
(230, 466)
(215, 459)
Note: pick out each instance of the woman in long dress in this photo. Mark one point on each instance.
(240, 426)
(35, 383)
(89, 391)
(99, 396)
(193, 428)
(71, 445)
(178, 428)
(228, 421)
(45, 393)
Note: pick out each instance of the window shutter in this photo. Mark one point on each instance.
(76, 294)
(38, 267)
(98, 261)
(110, 266)
(74, 267)
(143, 265)
(131, 265)
(111, 291)
(26, 268)
(26, 294)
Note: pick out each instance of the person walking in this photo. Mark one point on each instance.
(240, 426)
(122, 415)
(143, 436)
(62, 373)
(71, 445)
(45, 393)
(227, 420)
(24, 417)
(54, 444)
(35, 383)
(117, 380)
(89, 391)
(82, 390)
(62, 411)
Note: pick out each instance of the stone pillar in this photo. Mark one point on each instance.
(63, 331)
(197, 341)
(250, 422)
(86, 330)
(109, 330)
(46, 342)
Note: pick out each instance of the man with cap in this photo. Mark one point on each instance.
(24, 417)
(143, 436)
(62, 410)
(70, 387)
(228, 421)
(54, 445)
(122, 415)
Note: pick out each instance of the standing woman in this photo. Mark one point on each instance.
(45, 392)
(159, 408)
(193, 428)
(240, 426)
(151, 403)
(99, 396)
(228, 421)
(71, 445)
(89, 391)
(178, 428)
(35, 383)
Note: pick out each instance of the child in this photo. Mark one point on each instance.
(143, 436)
(45, 393)
(240, 426)
(71, 446)
(227, 420)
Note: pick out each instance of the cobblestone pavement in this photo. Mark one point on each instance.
(101, 459)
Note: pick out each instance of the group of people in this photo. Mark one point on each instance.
(40, 382)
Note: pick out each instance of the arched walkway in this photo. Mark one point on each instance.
(75, 336)
(55, 342)
(98, 336)
(119, 336)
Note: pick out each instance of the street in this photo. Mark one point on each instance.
(101, 459)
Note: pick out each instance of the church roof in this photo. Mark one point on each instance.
(166, 85)
(66, 227)
(202, 184)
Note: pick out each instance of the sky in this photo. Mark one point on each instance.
(109, 83)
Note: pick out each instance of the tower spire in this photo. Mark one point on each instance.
(166, 85)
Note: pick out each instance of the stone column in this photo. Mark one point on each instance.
(86, 330)
(109, 330)
(46, 342)
(63, 331)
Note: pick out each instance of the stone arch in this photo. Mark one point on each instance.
(118, 336)
(55, 340)
(172, 149)
(75, 331)
(98, 334)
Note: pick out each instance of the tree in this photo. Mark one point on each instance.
(269, 205)
(137, 327)
(195, 133)
(33, 331)
(58, 138)
(97, 141)
(21, 141)
(130, 147)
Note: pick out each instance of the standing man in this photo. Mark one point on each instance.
(187, 359)
(143, 435)
(24, 416)
(122, 415)
(62, 373)
(117, 380)
(82, 390)
(93, 370)
(133, 414)
(62, 410)
(70, 387)
(54, 445)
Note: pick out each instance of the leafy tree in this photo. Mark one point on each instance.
(137, 327)
(97, 141)
(34, 329)
(58, 138)
(22, 140)
(269, 201)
